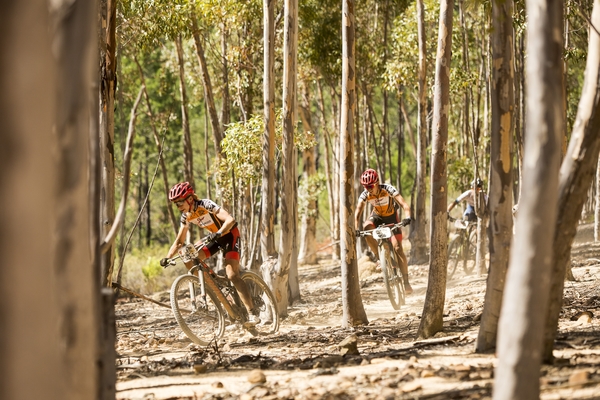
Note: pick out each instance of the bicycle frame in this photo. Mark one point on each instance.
(208, 277)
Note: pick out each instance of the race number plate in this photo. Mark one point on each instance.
(382, 233)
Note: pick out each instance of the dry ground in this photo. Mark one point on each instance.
(303, 361)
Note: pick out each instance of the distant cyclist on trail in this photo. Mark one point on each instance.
(469, 197)
(224, 234)
(382, 198)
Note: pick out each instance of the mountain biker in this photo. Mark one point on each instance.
(224, 234)
(469, 197)
(382, 198)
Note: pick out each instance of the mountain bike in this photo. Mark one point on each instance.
(389, 262)
(203, 302)
(463, 248)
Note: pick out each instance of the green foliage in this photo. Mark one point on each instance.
(460, 174)
(152, 269)
(309, 190)
(243, 148)
(320, 32)
(142, 272)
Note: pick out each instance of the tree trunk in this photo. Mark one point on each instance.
(226, 109)
(521, 327)
(329, 176)
(108, 84)
(353, 309)
(432, 320)
(51, 319)
(188, 161)
(267, 233)
(418, 231)
(206, 84)
(500, 201)
(597, 206)
(308, 230)
(289, 199)
(576, 174)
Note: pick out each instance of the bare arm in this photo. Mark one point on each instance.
(400, 200)
(179, 241)
(228, 220)
(452, 205)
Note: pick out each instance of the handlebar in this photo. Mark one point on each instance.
(186, 253)
(461, 223)
(393, 227)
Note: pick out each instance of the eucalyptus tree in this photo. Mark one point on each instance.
(320, 56)
(107, 89)
(288, 248)
(501, 186)
(418, 239)
(308, 190)
(432, 320)
(410, 48)
(188, 155)
(525, 304)
(353, 309)
(159, 146)
(267, 237)
(49, 61)
(576, 174)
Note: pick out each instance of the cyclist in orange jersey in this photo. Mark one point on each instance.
(224, 234)
(383, 198)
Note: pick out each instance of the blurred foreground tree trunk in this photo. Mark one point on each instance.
(524, 306)
(576, 175)
(51, 325)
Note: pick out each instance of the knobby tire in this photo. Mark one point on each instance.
(202, 323)
(391, 278)
(455, 256)
(263, 299)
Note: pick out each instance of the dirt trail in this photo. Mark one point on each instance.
(303, 361)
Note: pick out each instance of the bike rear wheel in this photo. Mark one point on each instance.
(470, 252)
(392, 279)
(263, 301)
(455, 256)
(201, 319)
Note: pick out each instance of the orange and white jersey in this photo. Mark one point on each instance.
(204, 215)
(383, 202)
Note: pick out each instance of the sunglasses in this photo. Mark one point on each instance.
(369, 186)
(180, 202)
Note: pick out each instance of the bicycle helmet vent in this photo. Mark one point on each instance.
(180, 191)
(369, 177)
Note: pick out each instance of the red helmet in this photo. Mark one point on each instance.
(369, 177)
(180, 191)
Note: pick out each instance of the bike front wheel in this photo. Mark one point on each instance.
(201, 318)
(392, 279)
(263, 301)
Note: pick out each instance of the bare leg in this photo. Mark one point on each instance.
(372, 243)
(232, 267)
